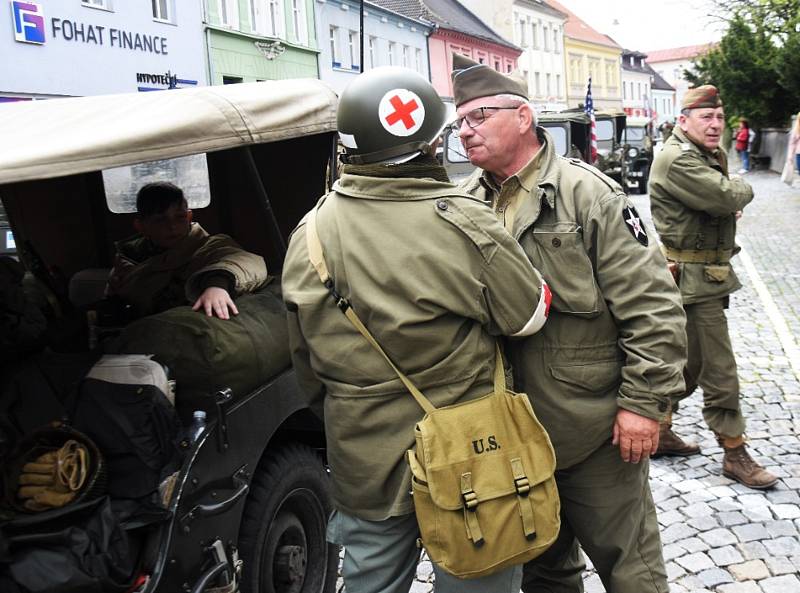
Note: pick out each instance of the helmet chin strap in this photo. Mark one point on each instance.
(387, 154)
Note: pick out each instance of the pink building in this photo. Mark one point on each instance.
(456, 30)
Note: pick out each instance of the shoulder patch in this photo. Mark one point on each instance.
(634, 224)
(459, 217)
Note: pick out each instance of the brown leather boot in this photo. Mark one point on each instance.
(670, 443)
(738, 465)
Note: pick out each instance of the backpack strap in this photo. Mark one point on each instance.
(316, 257)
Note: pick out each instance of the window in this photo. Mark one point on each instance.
(631, 59)
(299, 20)
(354, 43)
(497, 65)
(544, 38)
(558, 85)
(624, 91)
(418, 60)
(537, 83)
(547, 83)
(555, 40)
(97, 3)
(274, 18)
(334, 39)
(232, 79)
(575, 72)
(639, 89)
(161, 10)
(228, 13)
(509, 68)
(523, 41)
(372, 47)
(391, 53)
(534, 27)
(406, 59)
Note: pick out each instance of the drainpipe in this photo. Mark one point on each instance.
(209, 60)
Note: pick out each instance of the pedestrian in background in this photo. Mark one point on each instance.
(793, 149)
(427, 268)
(744, 139)
(601, 372)
(695, 203)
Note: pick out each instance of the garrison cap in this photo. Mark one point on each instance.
(702, 96)
(472, 80)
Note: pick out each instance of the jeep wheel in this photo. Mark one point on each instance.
(282, 537)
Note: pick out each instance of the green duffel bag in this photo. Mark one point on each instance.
(205, 354)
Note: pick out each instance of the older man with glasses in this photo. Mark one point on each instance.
(601, 372)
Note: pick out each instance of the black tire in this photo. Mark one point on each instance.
(282, 536)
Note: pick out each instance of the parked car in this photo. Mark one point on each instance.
(252, 493)
(638, 144)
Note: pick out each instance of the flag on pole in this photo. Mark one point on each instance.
(589, 108)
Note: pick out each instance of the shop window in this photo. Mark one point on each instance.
(162, 10)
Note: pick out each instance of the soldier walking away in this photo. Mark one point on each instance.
(602, 370)
(427, 269)
(695, 205)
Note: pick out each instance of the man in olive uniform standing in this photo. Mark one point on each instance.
(427, 269)
(695, 206)
(602, 370)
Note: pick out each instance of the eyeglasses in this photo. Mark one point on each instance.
(474, 118)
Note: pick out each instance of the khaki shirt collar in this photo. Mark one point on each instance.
(392, 189)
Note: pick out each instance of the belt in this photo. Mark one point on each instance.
(697, 256)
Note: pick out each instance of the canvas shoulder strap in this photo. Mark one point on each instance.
(317, 259)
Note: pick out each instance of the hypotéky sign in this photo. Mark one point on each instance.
(29, 27)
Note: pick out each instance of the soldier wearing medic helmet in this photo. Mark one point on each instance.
(695, 205)
(602, 370)
(426, 268)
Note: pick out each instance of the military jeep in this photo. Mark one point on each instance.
(638, 146)
(610, 129)
(251, 496)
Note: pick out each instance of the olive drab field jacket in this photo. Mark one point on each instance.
(155, 282)
(615, 337)
(427, 269)
(694, 205)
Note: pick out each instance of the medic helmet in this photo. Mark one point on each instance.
(390, 115)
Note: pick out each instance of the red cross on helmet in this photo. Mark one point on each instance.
(390, 115)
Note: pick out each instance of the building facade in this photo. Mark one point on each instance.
(390, 39)
(663, 99)
(456, 29)
(636, 85)
(670, 65)
(590, 53)
(88, 47)
(252, 40)
(537, 29)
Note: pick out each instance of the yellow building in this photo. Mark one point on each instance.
(589, 53)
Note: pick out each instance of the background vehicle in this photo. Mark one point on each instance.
(610, 151)
(254, 486)
(638, 143)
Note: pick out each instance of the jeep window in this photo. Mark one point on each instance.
(559, 135)
(455, 150)
(635, 136)
(605, 134)
(190, 173)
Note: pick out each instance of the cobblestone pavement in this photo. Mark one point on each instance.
(719, 536)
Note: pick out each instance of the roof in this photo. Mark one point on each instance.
(577, 29)
(447, 14)
(542, 6)
(658, 83)
(637, 62)
(679, 53)
(56, 137)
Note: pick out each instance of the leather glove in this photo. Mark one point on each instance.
(54, 478)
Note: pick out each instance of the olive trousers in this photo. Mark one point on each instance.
(382, 557)
(606, 505)
(712, 366)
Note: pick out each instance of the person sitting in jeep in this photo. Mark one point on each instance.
(172, 261)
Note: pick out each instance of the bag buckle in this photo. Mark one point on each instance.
(340, 301)
(523, 486)
(470, 500)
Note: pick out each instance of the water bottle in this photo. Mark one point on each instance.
(197, 427)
